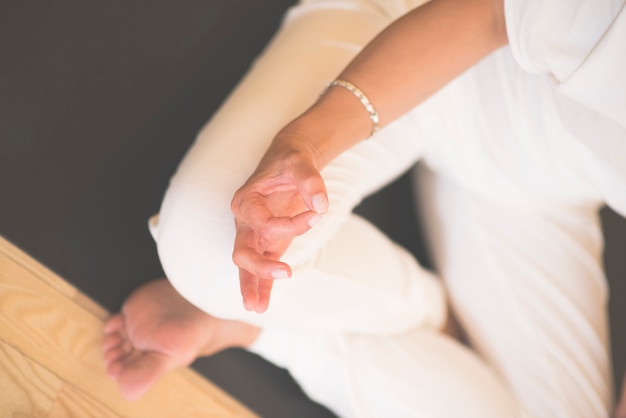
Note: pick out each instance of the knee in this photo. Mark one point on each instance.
(194, 245)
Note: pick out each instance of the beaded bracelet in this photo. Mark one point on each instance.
(373, 114)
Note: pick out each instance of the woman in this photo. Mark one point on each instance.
(523, 143)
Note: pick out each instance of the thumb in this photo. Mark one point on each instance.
(319, 202)
(313, 191)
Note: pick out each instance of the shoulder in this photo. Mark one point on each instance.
(555, 36)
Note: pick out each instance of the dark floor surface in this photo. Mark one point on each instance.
(98, 103)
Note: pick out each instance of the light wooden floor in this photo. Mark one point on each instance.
(50, 357)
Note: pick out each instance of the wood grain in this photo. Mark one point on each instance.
(71, 402)
(53, 334)
(28, 390)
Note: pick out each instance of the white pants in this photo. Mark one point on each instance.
(359, 323)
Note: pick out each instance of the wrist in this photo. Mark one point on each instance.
(297, 142)
(332, 125)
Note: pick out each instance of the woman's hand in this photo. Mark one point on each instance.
(284, 198)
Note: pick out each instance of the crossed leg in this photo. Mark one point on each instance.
(358, 304)
(419, 371)
(157, 329)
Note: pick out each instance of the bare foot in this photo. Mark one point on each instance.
(157, 331)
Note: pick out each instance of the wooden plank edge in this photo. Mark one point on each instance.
(52, 279)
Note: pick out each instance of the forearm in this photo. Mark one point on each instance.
(408, 62)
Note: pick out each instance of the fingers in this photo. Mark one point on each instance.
(256, 292)
(275, 232)
(297, 182)
(249, 292)
(265, 290)
(251, 208)
(281, 201)
(257, 255)
(289, 218)
(258, 250)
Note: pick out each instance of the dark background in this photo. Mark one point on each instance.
(98, 103)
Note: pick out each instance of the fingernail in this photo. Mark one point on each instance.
(314, 220)
(320, 204)
(280, 274)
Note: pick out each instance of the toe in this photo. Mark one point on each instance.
(111, 341)
(113, 355)
(114, 324)
(114, 369)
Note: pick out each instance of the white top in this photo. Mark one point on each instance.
(581, 45)
(548, 111)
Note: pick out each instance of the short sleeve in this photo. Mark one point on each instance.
(556, 36)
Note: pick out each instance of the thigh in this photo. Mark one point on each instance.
(419, 373)
(359, 282)
(195, 230)
(527, 284)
